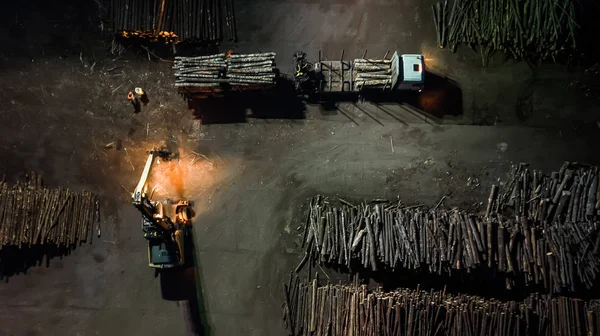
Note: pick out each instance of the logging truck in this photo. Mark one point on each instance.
(216, 75)
(401, 72)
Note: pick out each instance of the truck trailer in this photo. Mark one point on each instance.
(401, 72)
(220, 74)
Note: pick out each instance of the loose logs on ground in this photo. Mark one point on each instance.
(563, 209)
(185, 20)
(352, 310)
(33, 215)
(230, 71)
(535, 29)
(537, 230)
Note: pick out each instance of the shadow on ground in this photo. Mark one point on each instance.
(184, 285)
(280, 102)
(15, 260)
(441, 97)
(483, 282)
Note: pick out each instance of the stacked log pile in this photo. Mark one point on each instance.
(199, 71)
(251, 69)
(311, 309)
(562, 209)
(222, 69)
(33, 215)
(372, 74)
(532, 28)
(189, 20)
(537, 230)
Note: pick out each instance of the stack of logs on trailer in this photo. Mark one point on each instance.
(186, 20)
(33, 215)
(372, 73)
(352, 310)
(224, 72)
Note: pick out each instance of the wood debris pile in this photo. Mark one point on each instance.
(538, 230)
(526, 29)
(352, 310)
(33, 215)
(214, 71)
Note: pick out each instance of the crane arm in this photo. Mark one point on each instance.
(139, 194)
(159, 229)
(142, 203)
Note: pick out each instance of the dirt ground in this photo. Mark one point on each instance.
(63, 99)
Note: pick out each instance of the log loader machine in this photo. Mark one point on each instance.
(165, 236)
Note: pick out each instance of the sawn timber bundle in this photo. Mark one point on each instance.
(33, 215)
(352, 310)
(537, 230)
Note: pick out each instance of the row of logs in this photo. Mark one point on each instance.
(353, 310)
(570, 195)
(199, 71)
(33, 215)
(531, 28)
(527, 234)
(234, 70)
(372, 73)
(188, 20)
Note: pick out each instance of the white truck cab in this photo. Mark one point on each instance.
(409, 71)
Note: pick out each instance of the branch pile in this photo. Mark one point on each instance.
(537, 230)
(531, 28)
(234, 70)
(311, 309)
(33, 215)
(372, 73)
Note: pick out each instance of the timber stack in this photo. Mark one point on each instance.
(200, 71)
(223, 72)
(251, 69)
(537, 230)
(174, 20)
(372, 73)
(314, 309)
(535, 29)
(31, 214)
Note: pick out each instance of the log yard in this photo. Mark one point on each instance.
(299, 167)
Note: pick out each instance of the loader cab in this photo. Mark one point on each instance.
(162, 249)
(162, 254)
(411, 70)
